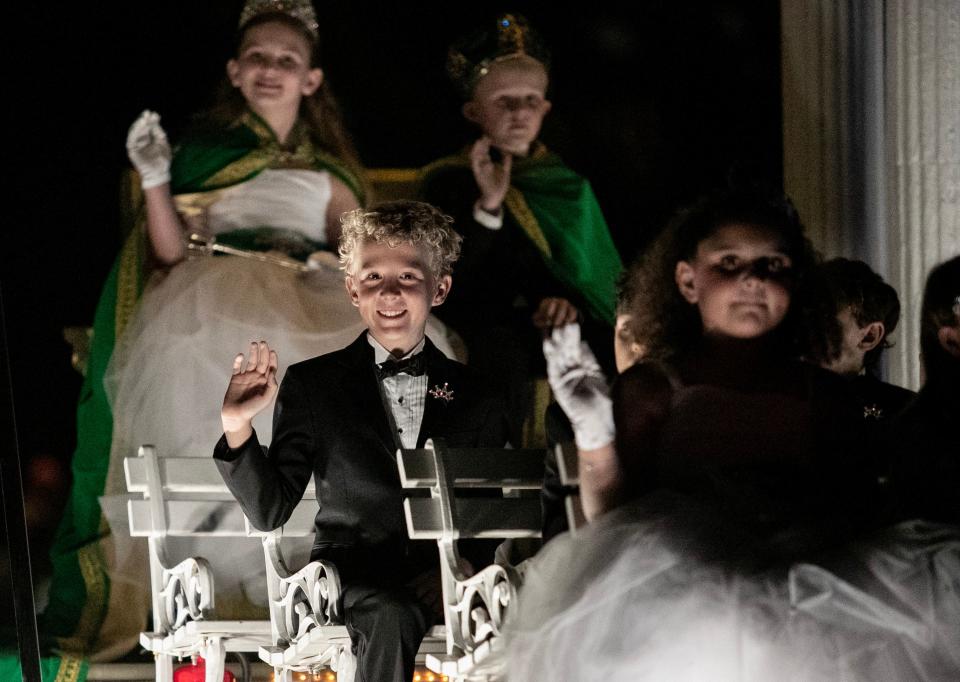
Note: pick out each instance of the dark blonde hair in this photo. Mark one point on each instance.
(669, 326)
(401, 222)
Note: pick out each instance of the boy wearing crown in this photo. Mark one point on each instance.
(537, 252)
(341, 417)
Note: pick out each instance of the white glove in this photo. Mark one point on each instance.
(149, 150)
(580, 387)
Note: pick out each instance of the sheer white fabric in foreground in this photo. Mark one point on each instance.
(632, 599)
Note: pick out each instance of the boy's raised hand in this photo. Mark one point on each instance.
(252, 387)
(493, 179)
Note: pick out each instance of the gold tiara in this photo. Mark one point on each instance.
(301, 10)
(470, 58)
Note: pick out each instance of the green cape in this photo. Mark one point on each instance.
(559, 213)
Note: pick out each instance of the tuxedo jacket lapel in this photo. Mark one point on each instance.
(365, 393)
(435, 410)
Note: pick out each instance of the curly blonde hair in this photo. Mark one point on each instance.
(401, 222)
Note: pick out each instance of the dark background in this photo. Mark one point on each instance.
(653, 102)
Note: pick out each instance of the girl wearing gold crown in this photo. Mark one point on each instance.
(264, 174)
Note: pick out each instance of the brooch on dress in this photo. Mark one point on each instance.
(872, 412)
(444, 393)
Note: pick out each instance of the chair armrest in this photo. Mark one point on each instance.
(301, 600)
(185, 594)
(483, 601)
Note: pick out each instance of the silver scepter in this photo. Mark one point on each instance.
(208, 245)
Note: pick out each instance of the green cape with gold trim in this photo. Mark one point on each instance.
(558, 211)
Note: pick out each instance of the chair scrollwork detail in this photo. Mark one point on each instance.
(482, 605)
(308, 598)
(187, 593)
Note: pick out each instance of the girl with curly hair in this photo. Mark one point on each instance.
(724, 406)
(733, 534)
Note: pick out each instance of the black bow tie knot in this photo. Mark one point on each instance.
(412, 366)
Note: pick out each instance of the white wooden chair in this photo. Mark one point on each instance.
(186, 497)
(475, 607)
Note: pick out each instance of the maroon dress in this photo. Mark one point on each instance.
(773, 446)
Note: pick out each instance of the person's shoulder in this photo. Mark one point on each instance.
(896, 396)
(880, 399)
(822, 382)
(465, 374)
(466, 381)
(204, 134)
(542, 157)
(452, 162)
(647, 388)
(649, 373)
(315, 364)
(444, 172)
(928, 410)
(336, 361)
(826, 388)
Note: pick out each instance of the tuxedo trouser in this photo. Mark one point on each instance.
(386, 625)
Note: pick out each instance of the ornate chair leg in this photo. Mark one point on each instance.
(164, 667)
(213, 657)
(345, 665)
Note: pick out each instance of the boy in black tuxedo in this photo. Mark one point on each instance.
(341, 418)
(868, 310)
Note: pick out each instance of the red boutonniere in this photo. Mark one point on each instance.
(444, 393)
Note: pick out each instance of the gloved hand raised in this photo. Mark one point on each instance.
(149, 150)
(580, 387)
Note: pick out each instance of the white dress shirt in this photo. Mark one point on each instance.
(404, 395)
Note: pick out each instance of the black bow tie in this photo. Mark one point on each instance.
(412, 366)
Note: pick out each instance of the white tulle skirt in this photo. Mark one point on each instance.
(629, 600)
(169, 371)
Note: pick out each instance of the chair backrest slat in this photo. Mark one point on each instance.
(477, 518)
(212, 518)
(474, 468)
(184, 475)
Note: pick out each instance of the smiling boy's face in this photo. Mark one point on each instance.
(394, 289)
(509, 104)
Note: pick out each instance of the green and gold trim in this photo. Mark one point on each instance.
(517, 205)
(70, 669)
